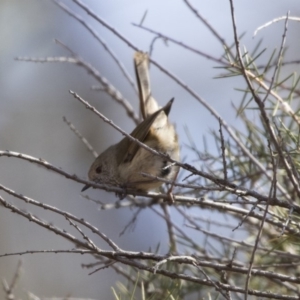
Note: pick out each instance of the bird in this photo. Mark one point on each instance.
(127, 164)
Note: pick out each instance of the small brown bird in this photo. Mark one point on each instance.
(123, 163)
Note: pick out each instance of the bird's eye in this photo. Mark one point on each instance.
(99, 169)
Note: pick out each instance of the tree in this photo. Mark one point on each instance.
(249, 179)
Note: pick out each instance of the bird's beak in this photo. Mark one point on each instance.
(85, 188)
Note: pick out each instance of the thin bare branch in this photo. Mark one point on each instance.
(82, 138)
(100, 40)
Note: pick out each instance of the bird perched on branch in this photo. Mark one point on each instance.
(126, 163)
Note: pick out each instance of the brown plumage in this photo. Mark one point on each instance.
(123, 163)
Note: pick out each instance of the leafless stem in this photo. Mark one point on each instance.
(82, 138)
(98, 38)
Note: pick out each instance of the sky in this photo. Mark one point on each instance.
(34, 99)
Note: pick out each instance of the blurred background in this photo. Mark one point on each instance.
(34, 98)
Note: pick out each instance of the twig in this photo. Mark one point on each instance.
(279, 59)
(164, 37)
(169, 223)
(82, 138)
(63, 213)
(100, 40)
(177, 198)
(225, 294)
(245, 217)
(185, 87)
(110, 122)
(132, 221)
(180, 199)
(76, 251)
(189, 259)
(8, 288)
(271, 194)
(211, 29)
(261, 107)
(108, 87)
(129, 258)
(223, 151)
(85, 237)
(30, 217)
(274, 21)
